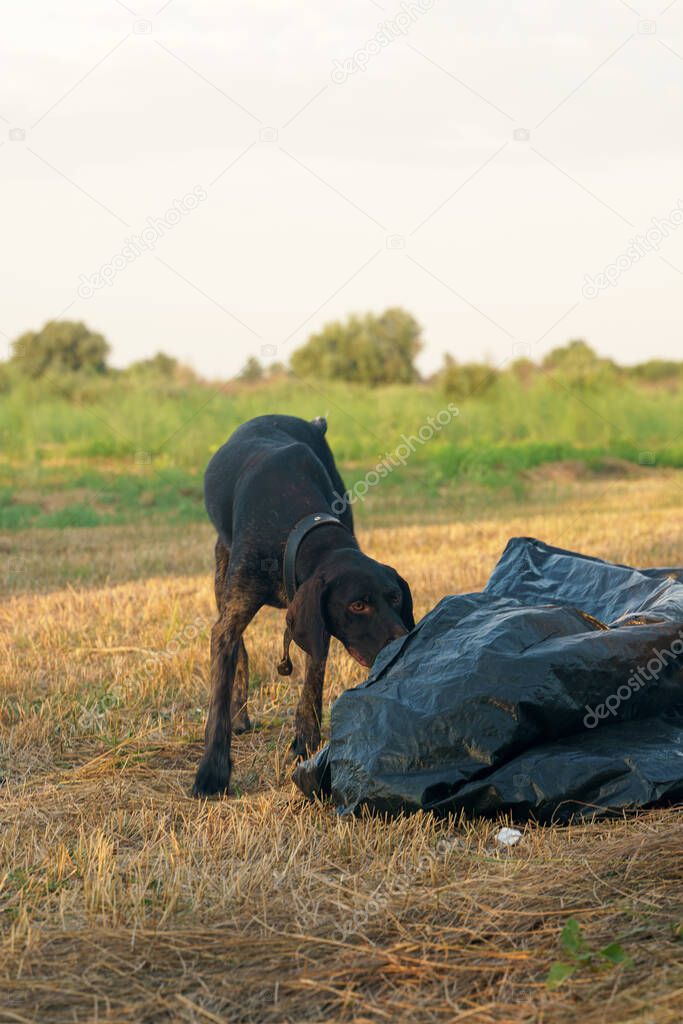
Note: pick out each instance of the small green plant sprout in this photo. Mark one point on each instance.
(578, 954)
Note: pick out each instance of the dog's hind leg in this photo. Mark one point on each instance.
(213, 773)
(309, 712)
(240, 692)
(240, 688)
(220, 579)
(236, 609)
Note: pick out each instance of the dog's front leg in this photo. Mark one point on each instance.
(309, 711)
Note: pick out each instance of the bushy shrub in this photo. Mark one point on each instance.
(466, 380)
(578, 365)
(159, 365)
(658, 371)
(525, 371)
(5, 378)
(363, 349)
(252, 370)
(60, 347)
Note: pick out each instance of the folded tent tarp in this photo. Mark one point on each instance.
(556, 692)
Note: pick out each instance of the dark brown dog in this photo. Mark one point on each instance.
(270, 492)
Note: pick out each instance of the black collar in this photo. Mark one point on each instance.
(302, 528)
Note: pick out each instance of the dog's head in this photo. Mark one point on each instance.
(363, 603)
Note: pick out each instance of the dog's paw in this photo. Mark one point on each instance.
(213, 777)
(241, 723)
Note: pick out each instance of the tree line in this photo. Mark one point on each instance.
(368, 349)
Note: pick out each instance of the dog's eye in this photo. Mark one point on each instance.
(358, 606)
(395, 599)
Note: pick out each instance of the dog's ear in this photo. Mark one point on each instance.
(406, 604)
(306, 618)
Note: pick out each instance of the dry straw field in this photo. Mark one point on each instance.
(124, 900)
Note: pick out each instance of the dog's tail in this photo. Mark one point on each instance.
(321, 423)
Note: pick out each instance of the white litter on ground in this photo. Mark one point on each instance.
(508, 836)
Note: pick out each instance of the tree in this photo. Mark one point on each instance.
(575, 353)
(658, 371)
(277, 369)
(252, 370)
(466, 380)
(366, 349)
(159, 365)
(524, 370)
(580, 365)
(62, 346)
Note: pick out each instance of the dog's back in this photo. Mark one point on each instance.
(278, 465)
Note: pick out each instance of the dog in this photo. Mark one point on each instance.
(270, 492)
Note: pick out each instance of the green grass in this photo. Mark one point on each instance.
(122, 451)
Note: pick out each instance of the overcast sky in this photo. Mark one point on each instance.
(481, 164)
